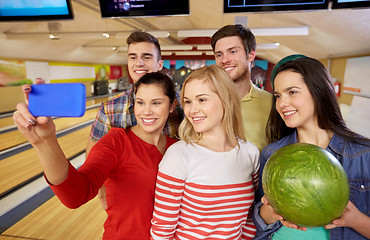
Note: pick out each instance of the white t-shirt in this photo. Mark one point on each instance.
(205, 194)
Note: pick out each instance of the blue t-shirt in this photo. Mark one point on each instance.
(317, 233)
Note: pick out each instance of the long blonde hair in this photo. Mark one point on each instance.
(224, 87)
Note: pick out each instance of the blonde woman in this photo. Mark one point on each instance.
(206, 181)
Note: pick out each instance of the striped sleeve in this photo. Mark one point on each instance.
(168, 197)
(249, 230)
(256, 167)
(255, 178)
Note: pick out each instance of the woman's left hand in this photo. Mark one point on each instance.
(353, 218)
(347, 219)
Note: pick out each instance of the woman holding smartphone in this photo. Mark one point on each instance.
(125, 160)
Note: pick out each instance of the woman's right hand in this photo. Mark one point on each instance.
(35, 129)
(40, 132)
(26, 88)
(270, 216)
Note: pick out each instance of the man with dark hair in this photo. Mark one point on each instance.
(138, 37)
(234, 47)
(144, 56)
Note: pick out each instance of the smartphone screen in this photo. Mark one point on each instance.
(57, 100)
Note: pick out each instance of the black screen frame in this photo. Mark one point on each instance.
(274, 7)
(184, 10)
(68, 16)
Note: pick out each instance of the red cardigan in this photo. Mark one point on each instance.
(128, 167)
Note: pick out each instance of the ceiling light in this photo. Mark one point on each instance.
(64, 35)
(280, 31)
(54, 37)
(84, 35)
(159, 34)
(188, 53)
(166, 53)
(268, 46)
(204, 47)
(100, 48)
(196, 33)
(176, 47)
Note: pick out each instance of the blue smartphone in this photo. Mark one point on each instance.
(57, 100)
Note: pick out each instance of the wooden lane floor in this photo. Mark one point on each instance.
(6, 121)
(13, 138)
(53, 220)
(95, 101)
(16, 169)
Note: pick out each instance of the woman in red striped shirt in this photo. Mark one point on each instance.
(206, 181)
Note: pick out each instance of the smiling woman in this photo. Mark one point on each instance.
(305, 110)
(294, 101)
(202, 107)
(154, 100)
(207, 180)
(125, 160)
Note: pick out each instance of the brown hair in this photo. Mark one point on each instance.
(162, 80)
(245, 35)
(137, 37)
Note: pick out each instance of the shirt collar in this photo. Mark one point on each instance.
(253, 92)
(337, 144)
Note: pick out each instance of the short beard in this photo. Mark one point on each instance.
(242, 77)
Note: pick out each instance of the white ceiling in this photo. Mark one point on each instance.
(333, 33)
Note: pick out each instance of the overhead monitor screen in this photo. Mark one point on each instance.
(24, 10)
(142, 8)
(234, 6)
(351, 4)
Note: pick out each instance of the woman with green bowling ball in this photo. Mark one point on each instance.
(305, 110)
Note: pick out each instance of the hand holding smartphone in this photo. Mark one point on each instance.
(57, 100)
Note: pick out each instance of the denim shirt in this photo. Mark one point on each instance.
(355, 159)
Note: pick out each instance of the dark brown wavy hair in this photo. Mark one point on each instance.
(320, 85)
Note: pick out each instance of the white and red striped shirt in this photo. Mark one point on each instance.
(202, 194)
